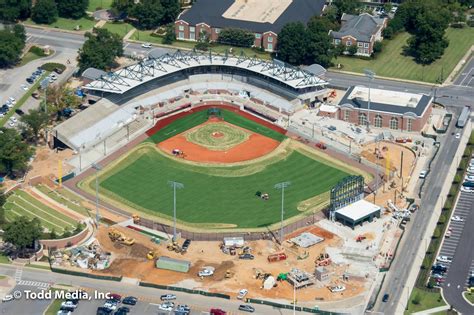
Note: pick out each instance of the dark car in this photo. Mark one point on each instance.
(19, 112)
(103, 311)
(186, 244)
(58, 70)
(385, 297)
(115, 297)
(246, 308)
(247, 256)
(130, 300)
(67, 308)
(30, 80)
(123, 310)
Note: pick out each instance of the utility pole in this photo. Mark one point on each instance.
(370, 75)
(175, 186)
(97, 214)
(282, 187)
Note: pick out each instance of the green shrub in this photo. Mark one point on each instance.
(50, 66)
(416, 299)
(37, 51)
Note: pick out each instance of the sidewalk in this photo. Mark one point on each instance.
(433, 310)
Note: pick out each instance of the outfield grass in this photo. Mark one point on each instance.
(197, 118)
(427, 300)
(68, 24)
(103, 4)
(391, 62)
(146, 37)
(224, 196)
(21, 203)
(118, 28)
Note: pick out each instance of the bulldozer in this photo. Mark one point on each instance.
(136, 219)
(228, 274)
(174, 247)
(117, 236)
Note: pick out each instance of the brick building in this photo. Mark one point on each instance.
(388, 109)
(265, 18)
(362, 30)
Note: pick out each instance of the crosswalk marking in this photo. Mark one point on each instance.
(37, 284)
(18, 274)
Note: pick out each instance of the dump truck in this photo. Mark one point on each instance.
(117, 236)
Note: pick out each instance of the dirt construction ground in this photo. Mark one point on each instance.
(131, 262)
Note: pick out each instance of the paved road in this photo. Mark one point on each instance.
(459, 247)
(148, 295)
(395, 280)
(466, 77)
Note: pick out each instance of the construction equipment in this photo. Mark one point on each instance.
(136, 219)
(323, 260)
(151, 255)
(155, 240)
(277, 257)
(260, 274)
(245, 250)
(117, 236)
(174, 247)
(228, 274)
(360, 238)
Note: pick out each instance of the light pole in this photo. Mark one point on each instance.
(97, 214)
(282, 186)
(175, 186)
(370, 75)
(294, 299)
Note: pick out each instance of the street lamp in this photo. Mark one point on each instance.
(97, 169)
(175, 186)
(370, 75)
(282, 186)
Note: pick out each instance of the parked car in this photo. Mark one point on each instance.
(423, 174)
(444, 259)
(166, 306)
(457, 135)
(103, 311)
(467, 189)
(246, 308)
(130, 300)
(205, 273)
(8, 298)
(146, 45)
(217, 311)
(110, 305)
(247, 256)
(337, 288)
(437, 276)
(168, 297)
(24, 87)
(186, 244)
(13, 119)
(242, 294)
(115, 297)
(457, 218)
(469, 178)
(123, 309)
(385, 297)
(19, 112)
(440, 267)
(58, 70)
(30, 80)
(183, 309)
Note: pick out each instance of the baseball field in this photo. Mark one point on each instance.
(219, 195)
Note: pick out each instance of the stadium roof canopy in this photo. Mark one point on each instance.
(158, 65)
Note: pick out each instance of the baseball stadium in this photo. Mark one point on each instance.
(212, 126)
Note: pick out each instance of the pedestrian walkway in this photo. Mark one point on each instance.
(18, 274)
(433, 310)
(38, 284)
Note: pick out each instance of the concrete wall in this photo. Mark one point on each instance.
(63, 242)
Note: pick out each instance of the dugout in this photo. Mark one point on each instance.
(357, 213)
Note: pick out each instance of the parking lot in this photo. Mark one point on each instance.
(455, 230)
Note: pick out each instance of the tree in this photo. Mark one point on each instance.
(59, 99)
(100, 49)
(122, 6)
(171, 9)
(74, 9)
(12, 42)
(292, 42)
(34, 121)
(22, 232)
(236, 37)
(170, 35)
(53, 235)
(14, 153)
(378, 46)
(345, 6)
(319, 47)
(44, 12)
(352, 50)
(203, 41)
(12, 10)
(3, 199)
(149, 14)
(339, 49)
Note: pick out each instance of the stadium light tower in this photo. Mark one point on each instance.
(370, 75)
(282, 186)
(97, 214)
(175, 186)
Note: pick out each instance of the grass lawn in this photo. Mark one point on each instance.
(118, 28)
(21, 203)
(197, 118)
(68, 24)
(469, 297)
(94, 4)
(221, 196)
(145, 36)
(22, 100)
(30, 56)
(4, 259)
(391, 62)
(54, 307)
(427, 300)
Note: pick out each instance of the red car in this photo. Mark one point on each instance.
(217, 311)
(116, 297)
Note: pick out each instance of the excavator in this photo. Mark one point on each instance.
(174, 247)
(117, 236)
